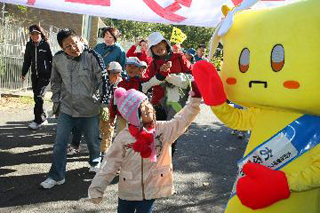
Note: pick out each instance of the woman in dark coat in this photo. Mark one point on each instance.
(37, 55)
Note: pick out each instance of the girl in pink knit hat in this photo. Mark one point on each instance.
(142, 152)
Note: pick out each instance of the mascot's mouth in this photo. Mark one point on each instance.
(258, 82)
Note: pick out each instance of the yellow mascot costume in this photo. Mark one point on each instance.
(271, 67)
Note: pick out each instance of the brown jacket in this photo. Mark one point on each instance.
(139, 177)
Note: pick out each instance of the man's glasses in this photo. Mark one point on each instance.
(71, 45)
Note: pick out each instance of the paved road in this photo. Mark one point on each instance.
(204, 167)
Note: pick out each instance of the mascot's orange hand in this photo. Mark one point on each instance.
(261, 186)
(209, 83)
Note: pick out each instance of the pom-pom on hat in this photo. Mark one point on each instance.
(128, 103)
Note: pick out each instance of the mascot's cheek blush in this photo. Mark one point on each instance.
(291, 84)
(231, 81)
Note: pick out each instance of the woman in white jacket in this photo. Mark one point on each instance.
(143, 152)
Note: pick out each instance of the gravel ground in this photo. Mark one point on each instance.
(204, 167)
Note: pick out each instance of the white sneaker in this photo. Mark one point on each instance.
(34, 125)
(44, 123)
(49, 183)
(94, 169)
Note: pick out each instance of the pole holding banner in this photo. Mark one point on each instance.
(86, 27)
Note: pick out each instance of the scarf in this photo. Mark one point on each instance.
(144, 142)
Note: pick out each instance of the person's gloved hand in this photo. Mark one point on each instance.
(158, 78)
(56, 108)
(195, 93)
(209, 83)
(104, 113)
(165, 68)
(261, 186)
(155, 80)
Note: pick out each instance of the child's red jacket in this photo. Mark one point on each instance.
(179, 65)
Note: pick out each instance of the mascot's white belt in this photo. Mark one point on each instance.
(287, 145)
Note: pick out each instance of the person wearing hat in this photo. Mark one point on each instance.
(110, 50)
(37, 55)
(106, 117)
(201, 53)
(114, 72)
(190, 54)
(134, 69)
(169, 74)
(142, 55)
(142, 152)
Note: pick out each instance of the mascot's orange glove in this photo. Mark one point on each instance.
(261, 187)
(209, 83)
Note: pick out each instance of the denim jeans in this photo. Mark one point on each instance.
(144, 206)
(90, 128)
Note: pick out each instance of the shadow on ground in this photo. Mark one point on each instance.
(26, 158)
(205, 164)
(208, 155)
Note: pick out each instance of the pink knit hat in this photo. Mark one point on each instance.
(128, 103)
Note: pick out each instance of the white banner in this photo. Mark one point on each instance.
(206, 13)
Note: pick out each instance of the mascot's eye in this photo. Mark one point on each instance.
(277, 57)
(244, 60)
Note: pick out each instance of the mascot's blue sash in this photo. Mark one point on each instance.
(287, 145)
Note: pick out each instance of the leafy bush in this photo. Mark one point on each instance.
(134, 30)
